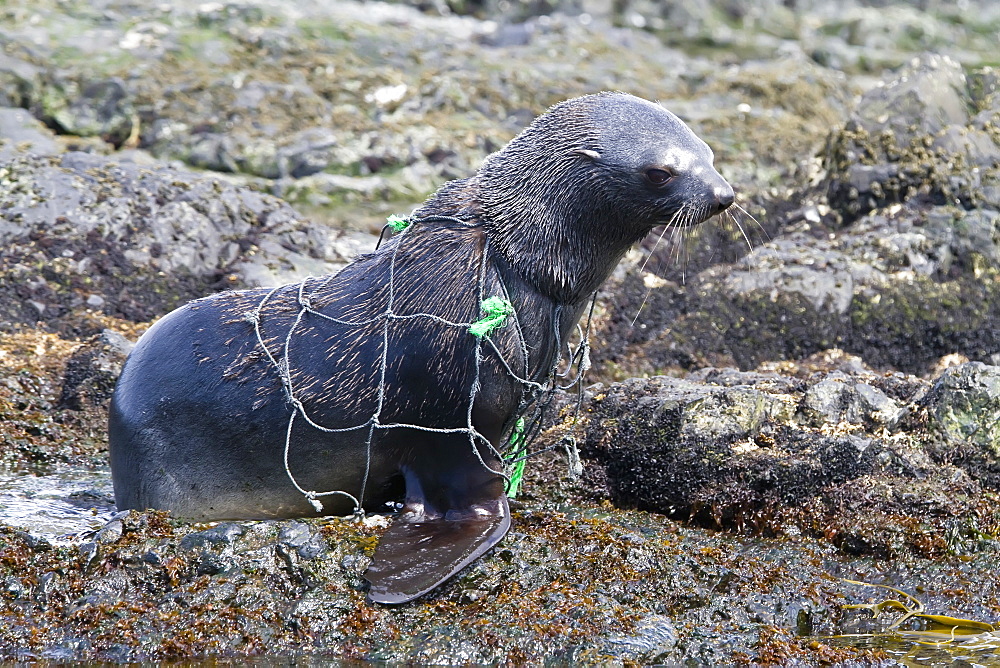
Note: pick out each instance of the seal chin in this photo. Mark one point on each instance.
(694, 212)
(680, 224)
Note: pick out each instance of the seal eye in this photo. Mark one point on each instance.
(658, 176)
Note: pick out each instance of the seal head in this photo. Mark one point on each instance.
(612, 167)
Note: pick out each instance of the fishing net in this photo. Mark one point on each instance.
(566, 371)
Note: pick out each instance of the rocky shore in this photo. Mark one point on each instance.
(802, 395)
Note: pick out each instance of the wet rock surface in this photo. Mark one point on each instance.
(919, 133)
(93, 369)
(82, 234)
(145, 587)
(842, 456)
(767, 422)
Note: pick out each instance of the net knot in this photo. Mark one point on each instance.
(497, 309)
(286, 385)
(314, 502)
(517, 441)
(584, 356)
(397, 223)
(573, 455)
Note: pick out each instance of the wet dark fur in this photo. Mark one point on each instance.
(199, 417)
(221, 374)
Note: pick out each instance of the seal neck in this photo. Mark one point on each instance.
(560, 239)
(566, 262)
(563, 240)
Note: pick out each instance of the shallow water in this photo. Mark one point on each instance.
(979, 650)
(59, 507)
(919, 643)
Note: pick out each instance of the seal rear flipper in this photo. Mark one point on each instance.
(416, 555)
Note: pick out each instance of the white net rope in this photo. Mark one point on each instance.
(523, 426)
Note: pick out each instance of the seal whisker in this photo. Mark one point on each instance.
(649, 291)
(736, 221)
(679, 243)
(674, 224)
(679, 227)
(743, 212)
(656, 244)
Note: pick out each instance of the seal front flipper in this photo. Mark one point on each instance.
(418, 551)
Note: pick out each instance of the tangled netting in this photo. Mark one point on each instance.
(536, 397)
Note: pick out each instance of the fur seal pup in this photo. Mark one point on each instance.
(367, 386)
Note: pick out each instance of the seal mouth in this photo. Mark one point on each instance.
(683, 224)
(692, 214)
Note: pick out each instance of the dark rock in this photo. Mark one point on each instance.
(134, 242)
(309, 152)
(36, 543)
(821, 463)
(90, 497)
(110, 533)
(93, 370)
(88, 552)
(510, 34)
(307, 544)
(18, 80)
(212, 151)
(839, 398)
(213, 564)
(14, 589)
(46, 582)
(20, 131)
(90, 108)
(901, 289)
(223, 535)
(66, 650)
(929, 96)
(723, 454)
(912, 135)
(963, 410)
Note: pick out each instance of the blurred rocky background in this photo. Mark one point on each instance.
(806, 390)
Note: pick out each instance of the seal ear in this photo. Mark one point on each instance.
(593, 155)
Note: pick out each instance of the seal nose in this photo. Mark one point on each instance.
(725, 196)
